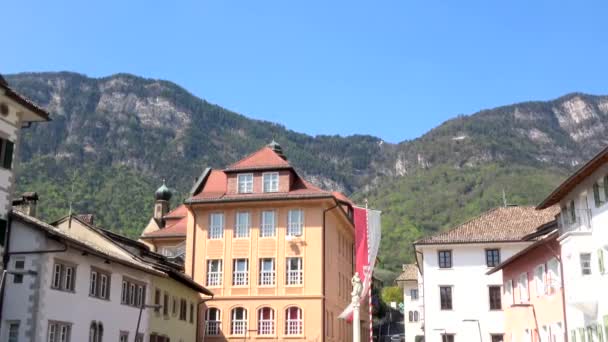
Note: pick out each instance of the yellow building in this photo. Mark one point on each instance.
(276, 251)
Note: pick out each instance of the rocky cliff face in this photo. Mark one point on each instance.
(139, 131)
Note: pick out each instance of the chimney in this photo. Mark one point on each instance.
(86, 218)
(27, 203)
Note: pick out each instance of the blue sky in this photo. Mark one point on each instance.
(393, 69)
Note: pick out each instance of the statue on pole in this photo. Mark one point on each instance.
(356, 297)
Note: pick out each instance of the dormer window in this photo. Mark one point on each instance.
(271, 181)
(245, 183)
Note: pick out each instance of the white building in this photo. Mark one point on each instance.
(73, 282)
(461, 302)
(15, 112)
(413, 310)
(583, 229)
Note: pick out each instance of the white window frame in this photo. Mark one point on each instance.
(554, 281)
(243, 224)
(539, 280)
(268, 223)
(238, 326)
(214, 278)
(216, 226)
(213, 327)
(294, 276)
(240, 277)
(68, 280)
(244, 186)
(59, 331)
(586, 264)
(124, 296)
(103, 286)
(522, 284)
(267, 276)
(93, 284)
(295, 227)
(508, 292)
(266, 325)
(270, 181)
(294, 326)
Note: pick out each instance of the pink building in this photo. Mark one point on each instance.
(533, 292)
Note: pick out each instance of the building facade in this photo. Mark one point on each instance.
(533, 297)
(462, 302)
(276, 252)
(413, 308)
(583, 238)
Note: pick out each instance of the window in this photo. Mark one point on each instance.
(183, 309)
(268, 224)
(140, 338)
(216, 226)
(214, 272)
(13, 332)
(416, 316)
(191, 313)
(294, 271)
(267, 272)
(445, 293)
(19, 266)
(497, 337)
(59, 331)
(242, 225)
(174, 306)
(539, 279)
(554, 280)
(266, 321)
(271, 181)
(596, 195)
(134, 293)
(508, 292)
(585, 263)
(606, 187)
(96, 332)
(63, 276)
(213, 321)
(600, 261)
(410, 316)
(495, 300)
(124, 336)
(445, 259)
(447, 338)
(295, 222)
(240, 273)
(572, 212)
(99, 284)
(6, 153)
(293, 321)
(414, 294)
(238, 325)
(492, 257)
(157, 296)
(245, 183)
(166, 304)
(523, 287)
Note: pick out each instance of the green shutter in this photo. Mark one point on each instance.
(7, 163)
(581, 333)
(596, 195)
(600, 259)
(573, 333)
(600, 333)
(606, 325)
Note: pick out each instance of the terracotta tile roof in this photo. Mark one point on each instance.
(552, 236)
(410, 272)
(178, 229)
(503, 224)
(179, 212)
(24, 101)
(264, 158)
(575, 179)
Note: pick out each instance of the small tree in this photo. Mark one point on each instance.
(392, 294)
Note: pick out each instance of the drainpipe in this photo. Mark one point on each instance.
(198, 309)
(323, 270)
(193, 240)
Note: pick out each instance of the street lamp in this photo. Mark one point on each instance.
(478, 326)
(141, 308)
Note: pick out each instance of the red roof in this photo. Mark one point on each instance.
(179, 212)
(176, 230)
(264, 158)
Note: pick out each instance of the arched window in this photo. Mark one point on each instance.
(293, 321)
(266, 321)
(214, 322)
(99, 332)
(96, 332)
(239, 321)
(415, 316)
(410, 315)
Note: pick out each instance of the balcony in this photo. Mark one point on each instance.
(579, 222)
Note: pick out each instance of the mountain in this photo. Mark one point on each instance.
(113, 139)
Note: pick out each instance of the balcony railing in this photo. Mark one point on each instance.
(579, 222)
(173, 251)
(267, 278)
(213, 328)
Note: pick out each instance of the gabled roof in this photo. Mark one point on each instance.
(552, 236)
(262, 159)
(575, 179)
(410, 272)
(179, 212)
(176, 230)
(22, 100)
(502, 224)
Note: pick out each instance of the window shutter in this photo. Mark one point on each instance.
(600, 257)
(7, 163)
(596, 195)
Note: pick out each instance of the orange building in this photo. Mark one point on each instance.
(276, 251)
